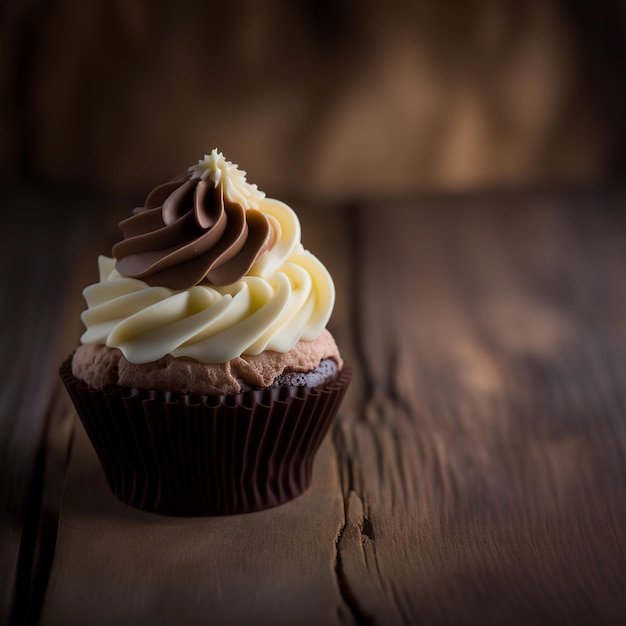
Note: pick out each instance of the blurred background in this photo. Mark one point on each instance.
(329, 99)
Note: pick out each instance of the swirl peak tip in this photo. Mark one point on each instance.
(236, 188)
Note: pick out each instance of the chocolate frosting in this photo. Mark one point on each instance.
(189, 232)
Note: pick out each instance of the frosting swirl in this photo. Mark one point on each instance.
(171, 301)
(203, 226)
(205, 323)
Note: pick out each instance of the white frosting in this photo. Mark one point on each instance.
(233, 180)
(287, 296)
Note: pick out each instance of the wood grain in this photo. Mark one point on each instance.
(484, 473)
(115, 565)
(37, 272)
(42, 240)
(476, 473)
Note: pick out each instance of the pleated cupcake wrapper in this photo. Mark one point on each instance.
(206, 455)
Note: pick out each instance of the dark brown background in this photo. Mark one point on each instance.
(320, 97)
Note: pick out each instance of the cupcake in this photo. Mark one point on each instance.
(206, 378)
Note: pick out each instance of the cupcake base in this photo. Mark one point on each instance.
(206, 455)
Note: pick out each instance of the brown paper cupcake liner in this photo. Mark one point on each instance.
(206, 455)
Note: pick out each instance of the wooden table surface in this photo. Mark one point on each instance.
(476, 473)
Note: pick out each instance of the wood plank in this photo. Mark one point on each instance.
(36, 272)
(114, 564)
(485, 473)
